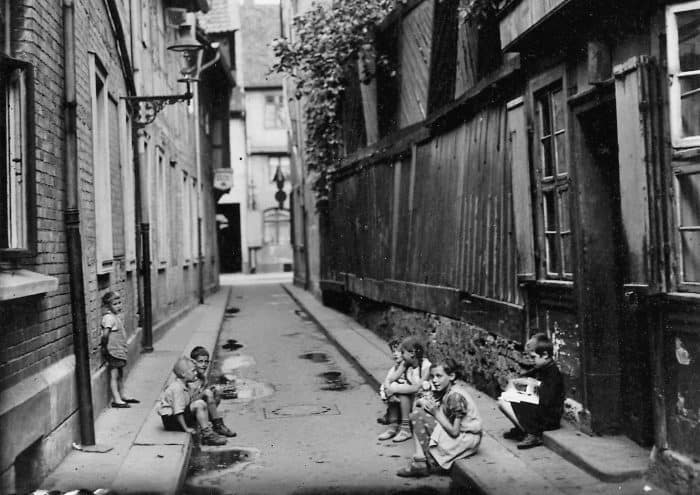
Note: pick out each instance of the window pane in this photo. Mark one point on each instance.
(567, 263)
(549, 205)
(689, 199)
(547, 158)
(545, 116)
(689, 39)
(560, 146)
(564, 211)
(552, 254)
(558, 109)
(690, 105)
(691, 256)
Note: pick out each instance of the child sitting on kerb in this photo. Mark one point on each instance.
(534, 402)
(179, 412)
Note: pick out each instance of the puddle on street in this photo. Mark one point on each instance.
(247, 390)
(334, 381)
(232, 310)
(208, 466)
(315, 357)
(232, 345)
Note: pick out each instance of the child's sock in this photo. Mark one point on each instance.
(405, 424)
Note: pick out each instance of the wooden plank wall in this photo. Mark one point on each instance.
(415, 41)
(441, 217)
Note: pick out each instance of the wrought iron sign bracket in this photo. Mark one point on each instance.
(147, 108)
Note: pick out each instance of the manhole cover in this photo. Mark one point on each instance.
(297, 410)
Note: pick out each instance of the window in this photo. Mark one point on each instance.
(186, 221)
(553, 183)
(688, 214)
(276, 227)
(161, 213)
(128, 181)
(16, 174)
(274, 112)
(101, 165)
(683, 45)
(193, 220)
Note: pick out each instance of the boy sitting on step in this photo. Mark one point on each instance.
(179, 412)
(535, 413)
(211, 394)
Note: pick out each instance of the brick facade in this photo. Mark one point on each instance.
(36, 341)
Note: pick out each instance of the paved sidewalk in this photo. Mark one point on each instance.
(144, 457)
(499, 467)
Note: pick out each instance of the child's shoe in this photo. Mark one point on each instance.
(514, 433)
(209, 437)
(402, 435)
(221, 429)
(530, 441)
(389, 433)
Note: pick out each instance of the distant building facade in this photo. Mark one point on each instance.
(141, 188)
(256, 230)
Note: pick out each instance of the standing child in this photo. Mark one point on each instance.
(417, 371)
(211, 394)
(530, 420)
(447, 426)
(114, 348)
(179, 412)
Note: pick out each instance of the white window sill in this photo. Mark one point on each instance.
(23, 283)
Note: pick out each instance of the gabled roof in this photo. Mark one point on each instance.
(222, 17)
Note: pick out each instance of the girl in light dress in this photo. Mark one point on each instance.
(447, 427)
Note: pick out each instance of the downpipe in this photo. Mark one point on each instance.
(74, 243)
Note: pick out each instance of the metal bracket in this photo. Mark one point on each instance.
(148, 107)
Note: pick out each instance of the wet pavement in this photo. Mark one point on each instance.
(305, 418)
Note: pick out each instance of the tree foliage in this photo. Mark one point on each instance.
(328, 40)
(478, 12)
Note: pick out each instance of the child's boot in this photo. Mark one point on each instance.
(221, 429)
(209, 437)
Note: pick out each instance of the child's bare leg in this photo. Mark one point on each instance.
(201, 412)
(211, 404)
(114, 385)
(418, 453)
(507, 409)
(406, 404)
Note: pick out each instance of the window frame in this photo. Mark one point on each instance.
(557, 183)
(681, 169)
(161, 216)
(675, 73)
(8, 64)
(276, 102)
(102, 190)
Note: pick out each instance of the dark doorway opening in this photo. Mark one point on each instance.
(617, 372)
(228, 222)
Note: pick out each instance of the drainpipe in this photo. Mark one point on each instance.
(72, 218)
(8, 32)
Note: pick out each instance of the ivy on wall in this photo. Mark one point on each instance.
(328, 40)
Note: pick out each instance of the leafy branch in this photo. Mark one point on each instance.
(478, 12)
(328, 40)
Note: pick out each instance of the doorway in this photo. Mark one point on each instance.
(229, 237)
(617, 379)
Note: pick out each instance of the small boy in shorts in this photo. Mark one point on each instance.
(396, 374)
(530, 420)
(114, 348)
(211, 394)
(179, 412)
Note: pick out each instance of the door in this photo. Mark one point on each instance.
(616, 357)
(229, 237)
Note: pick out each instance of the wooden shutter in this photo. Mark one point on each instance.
(518, 156)
(635, 91)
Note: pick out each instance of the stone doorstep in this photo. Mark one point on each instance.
(610, 459)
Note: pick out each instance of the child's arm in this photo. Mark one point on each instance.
(453, 428)
(411, 387)
(181, 419)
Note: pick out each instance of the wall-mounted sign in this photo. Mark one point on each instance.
(223, 179)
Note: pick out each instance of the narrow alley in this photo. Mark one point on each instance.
(305, 417)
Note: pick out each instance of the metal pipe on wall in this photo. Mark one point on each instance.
(74, 244)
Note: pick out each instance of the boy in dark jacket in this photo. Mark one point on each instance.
(530, 420)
